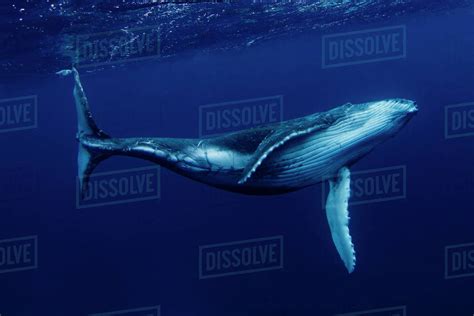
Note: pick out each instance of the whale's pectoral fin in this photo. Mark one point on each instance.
(338, 217)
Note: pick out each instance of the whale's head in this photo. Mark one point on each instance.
(364, 126)
(386, 118)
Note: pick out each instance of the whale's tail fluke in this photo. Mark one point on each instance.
(88, 157)
(85, 123)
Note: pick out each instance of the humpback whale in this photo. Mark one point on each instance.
(266, 160)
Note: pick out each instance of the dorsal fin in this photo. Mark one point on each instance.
(282, 134)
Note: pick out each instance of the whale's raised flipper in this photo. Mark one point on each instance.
(87, 159)
(338, 217)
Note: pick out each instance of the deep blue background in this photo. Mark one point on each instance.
(146, 253)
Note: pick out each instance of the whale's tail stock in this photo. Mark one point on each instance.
(88, 156)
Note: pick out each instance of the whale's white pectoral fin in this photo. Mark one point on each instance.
(338, 217)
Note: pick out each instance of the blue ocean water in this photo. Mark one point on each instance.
(411, 212)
